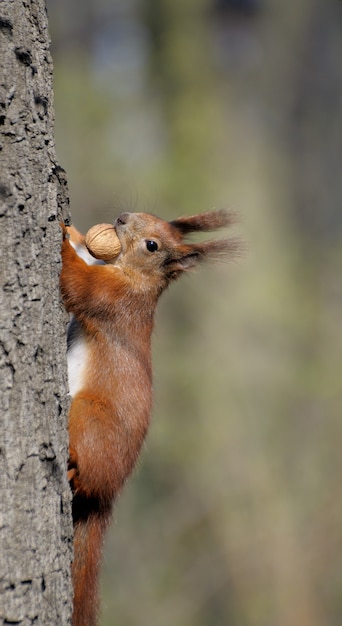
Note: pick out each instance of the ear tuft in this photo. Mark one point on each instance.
(190, 256)
(212, 220)
(220, 249)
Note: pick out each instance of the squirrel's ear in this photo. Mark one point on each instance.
(191, 255)
(212, 220)
(185, 263)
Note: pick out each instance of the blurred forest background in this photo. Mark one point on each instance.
(234, 516)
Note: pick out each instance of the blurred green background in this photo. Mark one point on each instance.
(234, 515)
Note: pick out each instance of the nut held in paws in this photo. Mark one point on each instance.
(103, 242)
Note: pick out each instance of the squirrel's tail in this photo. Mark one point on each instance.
(90, 522)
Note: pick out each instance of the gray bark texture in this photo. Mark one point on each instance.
(35, 504)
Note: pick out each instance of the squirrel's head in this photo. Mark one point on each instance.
(155, 252)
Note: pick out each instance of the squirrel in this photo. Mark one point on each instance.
(109, 364)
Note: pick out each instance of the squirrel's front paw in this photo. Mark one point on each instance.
(65, 230)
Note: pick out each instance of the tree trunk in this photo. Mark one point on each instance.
(35, 518)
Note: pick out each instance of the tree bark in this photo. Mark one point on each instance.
(35, 516)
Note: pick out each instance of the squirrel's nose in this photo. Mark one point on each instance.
(122, 219)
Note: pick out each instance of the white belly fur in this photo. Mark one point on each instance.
(77, 361)
(77, 350)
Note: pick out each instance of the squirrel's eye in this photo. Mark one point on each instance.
(151, 245)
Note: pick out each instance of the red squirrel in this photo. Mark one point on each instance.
(109, 363)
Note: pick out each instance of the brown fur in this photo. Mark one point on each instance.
(109, 416)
